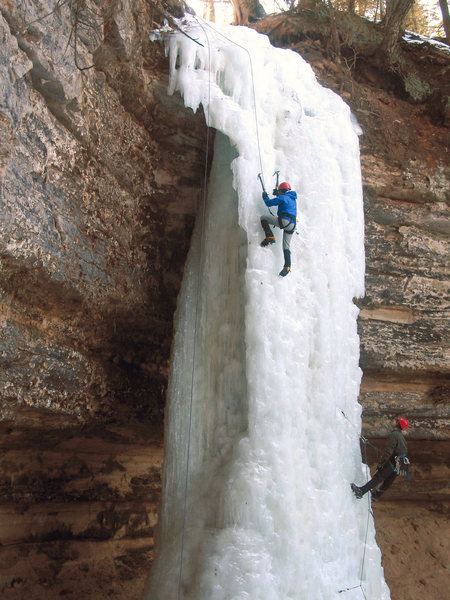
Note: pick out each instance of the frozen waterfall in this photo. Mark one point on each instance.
(264, 367)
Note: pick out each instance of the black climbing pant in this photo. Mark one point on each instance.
(385, 475)
(265, 226)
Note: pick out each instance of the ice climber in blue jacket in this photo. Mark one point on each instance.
(286, 220)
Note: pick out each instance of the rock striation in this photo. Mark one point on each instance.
(101, 178)
(101, 175)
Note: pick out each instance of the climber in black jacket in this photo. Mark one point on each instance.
(393, 462)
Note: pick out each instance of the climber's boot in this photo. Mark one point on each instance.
(287, 263)
(357, 491)
(270, 238)
(376, 495)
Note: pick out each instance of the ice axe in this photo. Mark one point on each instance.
(262, 182)
(277, 173)
(265, 194)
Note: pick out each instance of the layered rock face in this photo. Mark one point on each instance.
(101, 177)
(403, 321)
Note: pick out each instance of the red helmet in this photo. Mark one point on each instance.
(284, 186)
(403, 423)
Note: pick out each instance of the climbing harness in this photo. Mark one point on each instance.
(401, 466)
(290, 218)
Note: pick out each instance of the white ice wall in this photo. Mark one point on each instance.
(266, 512)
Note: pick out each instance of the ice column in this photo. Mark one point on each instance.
(267, 512)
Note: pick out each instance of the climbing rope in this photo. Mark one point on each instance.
(186, 488)
(369, 511)
(197, 302)
(367, 524)
(361, 437)
(253, 86)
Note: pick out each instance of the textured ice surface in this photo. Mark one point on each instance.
(268, 512)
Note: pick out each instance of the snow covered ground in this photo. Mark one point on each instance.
(263, 422)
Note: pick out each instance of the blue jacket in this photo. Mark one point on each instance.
(287, 203)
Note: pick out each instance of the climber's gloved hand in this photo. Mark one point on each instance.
(275, 192)
(265, 195)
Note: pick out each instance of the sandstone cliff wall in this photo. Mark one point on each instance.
(100, 179)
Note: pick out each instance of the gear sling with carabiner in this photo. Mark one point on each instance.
(401, 465)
